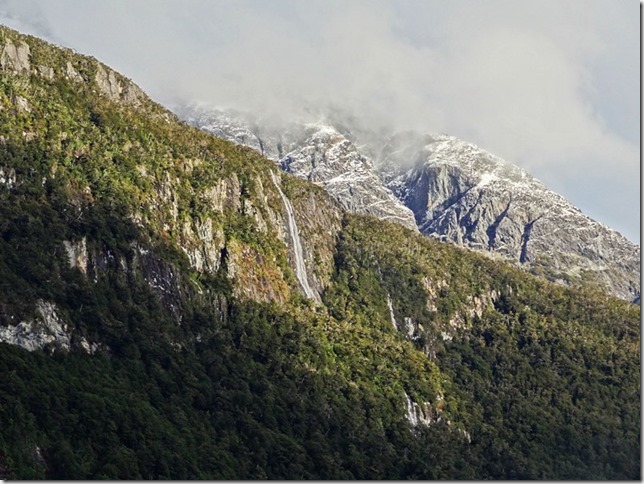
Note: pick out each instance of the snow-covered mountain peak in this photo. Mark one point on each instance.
(328, 158)
(461, 193)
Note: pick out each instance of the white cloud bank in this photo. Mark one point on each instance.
(552, 86)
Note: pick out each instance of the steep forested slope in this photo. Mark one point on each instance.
(152, 322)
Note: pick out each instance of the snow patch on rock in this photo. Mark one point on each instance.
(463, 194)
(317, 152)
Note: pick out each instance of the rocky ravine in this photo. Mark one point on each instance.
(449, 189)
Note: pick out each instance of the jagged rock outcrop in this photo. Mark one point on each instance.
(465, 195)
(72, 74)
(116, 88)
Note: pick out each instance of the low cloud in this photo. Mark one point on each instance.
(523, 80)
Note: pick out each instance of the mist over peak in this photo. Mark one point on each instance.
(534, 83)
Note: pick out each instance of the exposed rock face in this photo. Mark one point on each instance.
(316, 152)
(319, 219)
(46, 330)
(108, 83)
(72, 74)
(254, 276)
(8, 177)
(15, 57)
(225, 194)
(417, 414)
(116, 89)
(203, 243)
(46, 72)
(463, 194)
(424, 414)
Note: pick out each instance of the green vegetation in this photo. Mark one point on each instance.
(546, 379)
(195, 378)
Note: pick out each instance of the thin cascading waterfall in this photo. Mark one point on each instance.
(391, 312)
(300, 268)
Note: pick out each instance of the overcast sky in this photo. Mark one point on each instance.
(550, 85)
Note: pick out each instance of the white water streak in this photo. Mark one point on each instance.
(391, 312)
(300, 268)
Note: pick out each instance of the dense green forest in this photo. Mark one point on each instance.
(176, 370)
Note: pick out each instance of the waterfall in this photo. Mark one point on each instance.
(391, 312)
(300, 268)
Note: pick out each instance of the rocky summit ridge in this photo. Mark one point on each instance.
(447, 188)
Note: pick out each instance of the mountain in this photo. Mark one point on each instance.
(172, 306)
(317, 152)
(461, 193)
(456, 191)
